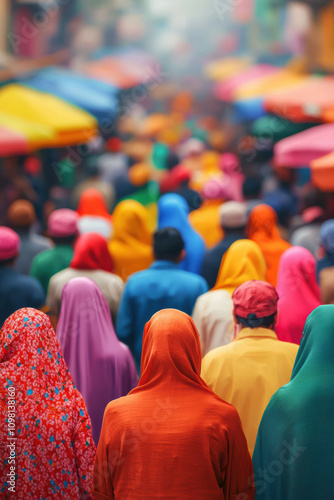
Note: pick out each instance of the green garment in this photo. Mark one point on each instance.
(293, 457)
(50, 262)
(146, 195)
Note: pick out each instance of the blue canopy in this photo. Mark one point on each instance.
(98, 98)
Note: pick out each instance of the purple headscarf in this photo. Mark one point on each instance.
(101, 366)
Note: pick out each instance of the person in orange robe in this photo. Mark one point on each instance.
(262, 228)
(171, 437)
(131, 244)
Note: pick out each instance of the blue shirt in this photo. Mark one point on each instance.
(162, 286)
(17, 291)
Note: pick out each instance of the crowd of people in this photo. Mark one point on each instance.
(167, 326)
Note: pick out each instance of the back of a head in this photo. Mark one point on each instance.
(327, 236)
(173, 211)
(130, 220)
(9, 246)
(255, 304)
(21, 214)
(92, 202)
(167, 244)
(91, 252)
(171, 350)
(242, 262)
(251, 188)
(63, 226)
(262, 218)
(233, 216)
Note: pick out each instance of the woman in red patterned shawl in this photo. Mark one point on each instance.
(47, 425)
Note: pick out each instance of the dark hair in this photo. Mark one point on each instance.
(251, 187)
(167, 244)
(66, 240)
(253, 322)
(7, 262)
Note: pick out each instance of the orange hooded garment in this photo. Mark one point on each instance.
(131, 244)
(262, 228)
(171, 437)
(93, 203)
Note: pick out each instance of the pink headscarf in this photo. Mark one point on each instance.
(228, 185)
(298, 292)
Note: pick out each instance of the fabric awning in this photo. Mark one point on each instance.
(307, 101)
(322, 171)
(301, 149)
(70, 124)
(94, 96)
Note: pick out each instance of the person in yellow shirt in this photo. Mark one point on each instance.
(249, 370)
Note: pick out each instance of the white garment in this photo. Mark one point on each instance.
(213, 317)
(111, 286)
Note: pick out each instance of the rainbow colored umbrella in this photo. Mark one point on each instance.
(70, 125)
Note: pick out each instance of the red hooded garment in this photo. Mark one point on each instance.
(171, 437)
(91, 252)
(48, 425)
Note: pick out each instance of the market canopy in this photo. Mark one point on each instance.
(70, 125)
(322, 171)
(124, 68)
(301, 149)
(12, 143)
(94, 96)
(226, 68)
(309, 100)
(36, 136)
(284, 78)
(226, 89)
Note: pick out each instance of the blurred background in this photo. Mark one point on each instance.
(239, 75)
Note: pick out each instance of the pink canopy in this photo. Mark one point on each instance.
(300, 149)
(225, 90)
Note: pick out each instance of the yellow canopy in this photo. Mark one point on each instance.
(225, 68)
(267, 84)
(70, 124)
(37, 136)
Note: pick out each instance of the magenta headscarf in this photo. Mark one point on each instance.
(101, 366)
(298, 292)
(228, 185)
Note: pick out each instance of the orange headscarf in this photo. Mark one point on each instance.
(92, 202)
(242, 262)
(131, 244)
(162, 444)
(262, 228)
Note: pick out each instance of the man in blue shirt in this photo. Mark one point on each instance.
(16, 290)
(162, 286)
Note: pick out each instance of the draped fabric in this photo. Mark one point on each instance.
(298, 292)
(53, 438)
(91, 252)
(131, 244)
(102, 367)
(262, 228)
(173, 212)
(161, 447)
(213, 311)
(92, 202)
(247, 372)
(295, 440)
(242, 262)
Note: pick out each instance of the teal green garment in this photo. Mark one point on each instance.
(160, 155)
(146, 195)
(50, 262)
(293, 457)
